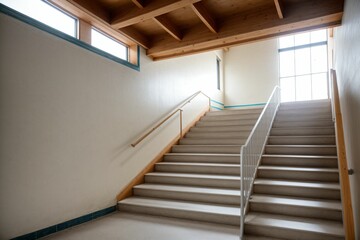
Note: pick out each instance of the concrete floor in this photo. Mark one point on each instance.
(125, 226)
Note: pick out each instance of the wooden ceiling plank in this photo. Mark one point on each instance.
(279, 8)
(153, 9)
(168, 26)
(254, 26)
(139, 3)
(135, 36)
(205, 16)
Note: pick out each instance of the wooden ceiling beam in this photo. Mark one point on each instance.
(153, 9)
(169, 27)
(252, 26)
(139, 3)
(136, 36)
(279, 8)
(205, 16)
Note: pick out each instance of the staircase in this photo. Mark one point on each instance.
(200, 179)
(297, 193)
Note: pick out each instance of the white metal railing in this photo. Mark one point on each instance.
(252, 150)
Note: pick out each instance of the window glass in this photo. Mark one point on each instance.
(287, 89)
(302, 61)
(319, 58)
(287, 62)
(285, 42)
(320, 86)
(45, 13)
(303, 88)
(108, 44)
(318, 36)
(302, 39)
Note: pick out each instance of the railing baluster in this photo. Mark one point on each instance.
(251, 151)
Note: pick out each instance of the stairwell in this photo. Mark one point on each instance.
(200, 179)
(296, 194)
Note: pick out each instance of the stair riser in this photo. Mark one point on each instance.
(278, 124)
(299, 175)
(298, 117)
(302, 141)
(221, 183)
(225, 123)
(289, 233)
(230, 117)
(212, 141)
(189, 196)
(203, 159)
(299, 162)
(328, 151)
(179, 213)
(320, 193)
(206, 149)
(302, 132)
(305, 112)
(219, 135)
(298, 211)
(236, 112)
(199, 169)
(305, 105)
(216, 129)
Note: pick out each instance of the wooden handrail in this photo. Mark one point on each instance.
(348, 217)
(179, 109)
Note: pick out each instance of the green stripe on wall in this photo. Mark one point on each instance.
(245, 105)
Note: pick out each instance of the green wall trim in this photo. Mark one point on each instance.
(216, 108)
(220, 103)
(246, 105)
(19, 16)
(64, 225)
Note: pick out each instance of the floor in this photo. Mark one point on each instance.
(127, 226)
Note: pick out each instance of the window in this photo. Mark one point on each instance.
(303, 66)
(218, 73)
(45, 13)
(108, 44)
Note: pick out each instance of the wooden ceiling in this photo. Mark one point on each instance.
(169, 28)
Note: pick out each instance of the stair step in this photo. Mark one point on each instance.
(306, 104)
(189, 193)
(304, 111)
(318, 123)
(301, 117)
(219, 135)
(299, 173)
(187, 179)
(299, 161)
(224, 214)
(205, 168)
(226, 123)
(302, 131)
(235, 149)
(239, 111)
(299, 228)
(202, 158)
(302, 140)
(213, 141)
(252, 237)
(313, 208)
(238, 117)
(329, 150)
(319, 190)
(222, 128)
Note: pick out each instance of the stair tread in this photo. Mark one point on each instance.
(291, 128)
(198, 164)
(183, 205)
(298, 146)
(331, 228)
(301, 202)
(203, 154)
(307, 169)
(299, 156)
(192, 175)
(304, 136)
(190, 189)
(320, 185)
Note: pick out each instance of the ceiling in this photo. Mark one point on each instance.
(170, 28)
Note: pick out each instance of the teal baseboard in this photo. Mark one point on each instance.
(64, 225)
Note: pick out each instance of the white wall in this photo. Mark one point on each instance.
(68, 117)
(251, 68)
(347, 65)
